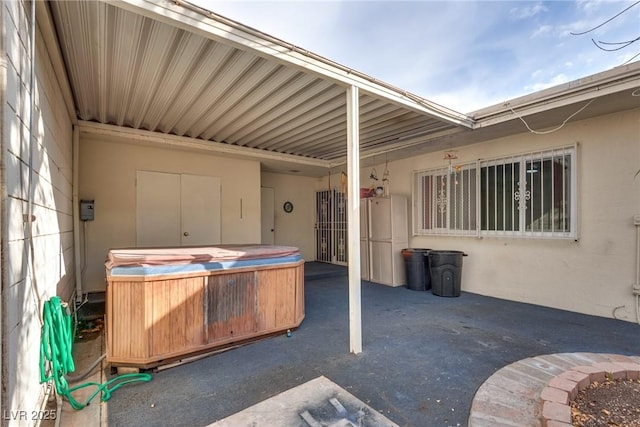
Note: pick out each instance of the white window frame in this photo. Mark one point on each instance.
(446, 185)
(519, 198)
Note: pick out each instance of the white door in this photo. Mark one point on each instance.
(177, 210)
(267, 210)
(364, 239)
(381, 262)
(200, 210)
(157, 209)
(380, 216)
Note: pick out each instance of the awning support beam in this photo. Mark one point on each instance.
(353, 219)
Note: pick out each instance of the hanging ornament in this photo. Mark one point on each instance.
(385, 178)
(449, 155)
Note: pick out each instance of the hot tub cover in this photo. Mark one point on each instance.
(144, 257)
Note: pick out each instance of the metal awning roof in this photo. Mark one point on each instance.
(197, 79)
(180, 70)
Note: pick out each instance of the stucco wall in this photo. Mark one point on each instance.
(52, 242)
(593, 275)
(295, 228)
(107, 175)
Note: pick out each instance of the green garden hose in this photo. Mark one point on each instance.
(56, 345)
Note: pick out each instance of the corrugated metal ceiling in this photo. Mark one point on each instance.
(131, 68)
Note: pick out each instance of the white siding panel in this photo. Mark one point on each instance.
(15, 226)
(52, 230)
(13, 127)
(16, 270)
(13, 86)
(16, 177)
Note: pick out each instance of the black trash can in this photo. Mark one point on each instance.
(417, 269)
(446, 272)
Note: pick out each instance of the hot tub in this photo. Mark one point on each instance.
(168, 304)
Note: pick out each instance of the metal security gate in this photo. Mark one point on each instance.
(331, 227)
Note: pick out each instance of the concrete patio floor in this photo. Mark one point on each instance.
(424, 357)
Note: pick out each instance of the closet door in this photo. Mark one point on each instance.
(177, 210)
(157, 209)
(364, 239)
(200, 210)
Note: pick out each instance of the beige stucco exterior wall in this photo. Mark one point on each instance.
(295, 228)
(592, 275)
(52, 242)
(107, 175)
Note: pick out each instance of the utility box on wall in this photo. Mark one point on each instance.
(86, 210)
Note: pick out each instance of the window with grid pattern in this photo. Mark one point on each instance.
(530, 195)
(446, 200)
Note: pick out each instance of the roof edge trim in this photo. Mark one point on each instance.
(169, 140)
(618, 79)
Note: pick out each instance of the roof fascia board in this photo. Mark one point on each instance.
(183, 142)
(388, 148)
(583, 90)
(211, 26)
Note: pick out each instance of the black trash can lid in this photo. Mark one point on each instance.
(445, 252)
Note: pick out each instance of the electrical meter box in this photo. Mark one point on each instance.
(86, 210)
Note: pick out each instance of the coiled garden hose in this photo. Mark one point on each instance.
(56, 346)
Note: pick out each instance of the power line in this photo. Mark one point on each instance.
(605, 22)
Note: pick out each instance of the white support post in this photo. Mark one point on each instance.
(353, 219)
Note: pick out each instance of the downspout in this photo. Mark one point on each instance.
(76, 215)
(636, 286)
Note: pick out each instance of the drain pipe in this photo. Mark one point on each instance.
(636, 285)
(76, 215)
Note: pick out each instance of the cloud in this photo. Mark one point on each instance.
(542, 30)
(519, 13)
(588, 5)
(302, 23)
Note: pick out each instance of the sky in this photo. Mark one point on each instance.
(463, 55)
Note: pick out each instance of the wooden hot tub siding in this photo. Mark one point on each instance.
(155, 320)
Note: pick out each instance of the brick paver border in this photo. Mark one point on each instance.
(537, 391)
(562, 390)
